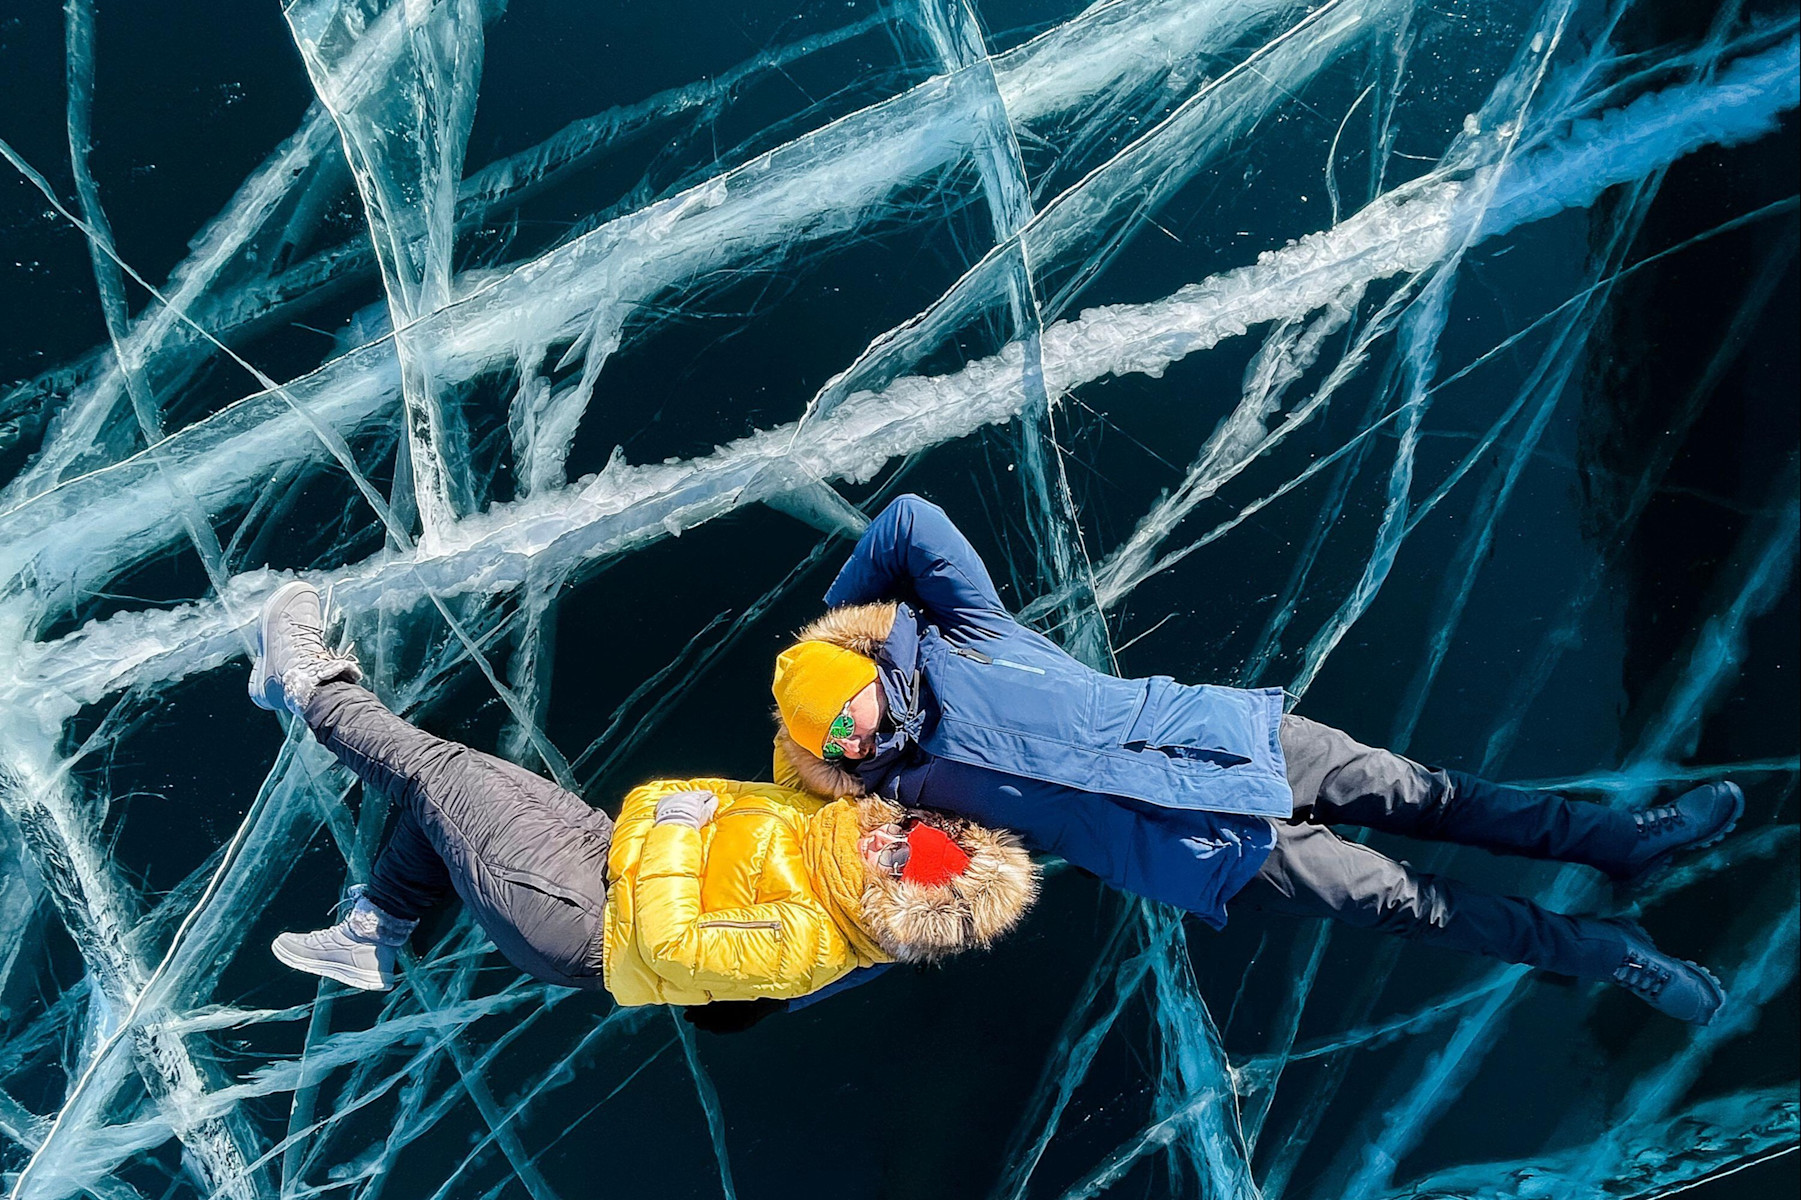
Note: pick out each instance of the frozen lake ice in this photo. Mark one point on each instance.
(1433, 362)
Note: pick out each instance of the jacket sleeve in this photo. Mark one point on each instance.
(774, 947)
(912, 552)
(843, 983)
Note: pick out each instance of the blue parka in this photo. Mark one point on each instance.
(1160, 788)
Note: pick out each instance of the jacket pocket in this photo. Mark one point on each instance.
(1202, 754)
(988, 661)
(533, 881)
(1165, 728)
(721, 923)
(1143, 725)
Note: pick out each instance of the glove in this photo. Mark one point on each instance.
(692, 809)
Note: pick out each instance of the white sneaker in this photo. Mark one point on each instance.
(358, 951)
(292, 659)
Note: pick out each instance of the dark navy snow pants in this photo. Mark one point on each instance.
(527, 857)
(1314, 872)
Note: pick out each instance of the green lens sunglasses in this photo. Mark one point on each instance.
(842, 727)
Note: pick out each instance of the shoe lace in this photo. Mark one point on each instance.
(1654, 821)
(1641, 977)
(346, 652)
(331, 937)
(372, 923)
(361, 922)
(347, 901)
(328, 662)
(309, 638)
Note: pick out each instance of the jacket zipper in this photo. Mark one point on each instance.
(985, 660)
(721, 924)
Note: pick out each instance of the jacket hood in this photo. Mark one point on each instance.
(862, 629)
(840, 877)
(919, 924)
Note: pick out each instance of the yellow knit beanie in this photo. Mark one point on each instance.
(813, 683)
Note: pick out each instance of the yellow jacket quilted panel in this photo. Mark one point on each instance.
(736, 910)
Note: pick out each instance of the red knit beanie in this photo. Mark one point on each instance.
(933, 858)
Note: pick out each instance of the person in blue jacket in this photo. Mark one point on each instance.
(919, 686)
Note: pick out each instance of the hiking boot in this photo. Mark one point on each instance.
(1673, 986)
(358, 951)
(1698, 818)
(292, 659)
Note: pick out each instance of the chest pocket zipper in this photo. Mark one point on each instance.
(723, 924)
(986, 661)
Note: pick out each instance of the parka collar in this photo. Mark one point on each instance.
(886, 919)
(839, 876)
(897, 666)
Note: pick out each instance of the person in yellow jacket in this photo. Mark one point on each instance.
(705, 890)
(748, 891)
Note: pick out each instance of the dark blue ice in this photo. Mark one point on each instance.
(1264, 339)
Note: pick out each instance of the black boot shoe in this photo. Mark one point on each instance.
(1673, 986)
(1698, 818)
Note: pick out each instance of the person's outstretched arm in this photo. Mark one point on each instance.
(913, 552)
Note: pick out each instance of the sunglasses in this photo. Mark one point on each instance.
(894, 857)
(842, 730)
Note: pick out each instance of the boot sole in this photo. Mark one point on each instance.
(1719, 989)
(1667, 857)
(1635, 933)
(348, 976)
(259, 680)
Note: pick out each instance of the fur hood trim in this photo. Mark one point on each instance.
(921, 924)
(861, 629)
(815, 773)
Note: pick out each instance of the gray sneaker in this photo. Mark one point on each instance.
(357, 951)
(292, 659)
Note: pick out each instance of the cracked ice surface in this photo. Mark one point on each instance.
(1321, 345)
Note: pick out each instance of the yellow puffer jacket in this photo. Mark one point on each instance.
(761, 901)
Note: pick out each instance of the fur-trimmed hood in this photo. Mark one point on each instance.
(861, 629)
(916, 923)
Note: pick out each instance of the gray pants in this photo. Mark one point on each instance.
(1313, 872)
(528, 858)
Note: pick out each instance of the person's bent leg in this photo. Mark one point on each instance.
(1340, 781)
(527, 857)
(1313, 872)
(384, 751)
(409, 878)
